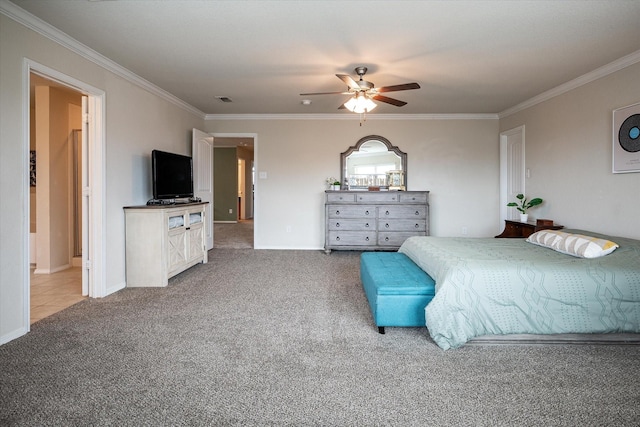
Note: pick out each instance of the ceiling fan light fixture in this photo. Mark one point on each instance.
(360, 104)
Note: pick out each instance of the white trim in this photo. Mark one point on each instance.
(350, 116)
(97, 128)
(41, 27)
(612, 67)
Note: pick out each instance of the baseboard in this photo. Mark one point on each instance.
(52, 270)
(113, 289)
(13, 335)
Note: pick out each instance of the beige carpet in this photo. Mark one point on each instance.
(233, 235)
(286, 338)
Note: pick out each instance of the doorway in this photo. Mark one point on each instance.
(512, 170)
(234, 194)
(92, 185)
(55, 234)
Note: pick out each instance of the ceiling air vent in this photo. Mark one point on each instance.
(224, 98)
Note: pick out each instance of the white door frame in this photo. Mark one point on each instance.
(512, 171)
(95, 251)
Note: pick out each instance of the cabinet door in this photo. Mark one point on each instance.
(178, 250)
(195, 241)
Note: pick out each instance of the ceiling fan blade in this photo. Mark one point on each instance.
(326, 93)
(348, 80)
(406, 86)
(388, 100)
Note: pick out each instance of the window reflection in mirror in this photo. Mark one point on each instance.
(366, 164)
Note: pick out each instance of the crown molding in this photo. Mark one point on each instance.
(605, 70)
(353, 117)
(41, 27)
(36, 24)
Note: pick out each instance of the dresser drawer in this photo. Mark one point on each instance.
(341, 197)
(352, 238)
(351, 211)
(378, 197)
(394, 224)
(413, 197)
(402, 211)
(395, 238)
(352, 224)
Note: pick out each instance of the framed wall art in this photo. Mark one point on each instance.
(626, 139)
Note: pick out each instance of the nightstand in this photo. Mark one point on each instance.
(519, 229)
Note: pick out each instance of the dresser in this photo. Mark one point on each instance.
(374, 220)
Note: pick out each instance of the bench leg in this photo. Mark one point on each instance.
(381, 329)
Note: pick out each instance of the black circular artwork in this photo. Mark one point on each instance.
(629, 134)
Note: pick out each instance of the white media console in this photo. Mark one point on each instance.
(162, 241)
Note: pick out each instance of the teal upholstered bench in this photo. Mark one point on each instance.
(396, 288)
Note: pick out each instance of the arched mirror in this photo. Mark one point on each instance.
(373, 162)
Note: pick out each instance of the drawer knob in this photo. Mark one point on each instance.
(386, 213)
(386, 239)
(366, 238)
(337, 212)
(417, 213)
(366, 212)
(386, 225)
(417, 225)
(337, 224)
(337, 238)
(366, 225)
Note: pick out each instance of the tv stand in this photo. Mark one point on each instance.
(162, 241)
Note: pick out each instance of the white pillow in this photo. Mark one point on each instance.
(577, 245)
(546, 238)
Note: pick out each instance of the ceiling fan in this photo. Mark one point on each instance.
(363, 92)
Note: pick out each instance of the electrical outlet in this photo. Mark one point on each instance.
(230, 210)
(288, 228)
(465, 231)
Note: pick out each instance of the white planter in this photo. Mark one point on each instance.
(524, 217)
(335, 187)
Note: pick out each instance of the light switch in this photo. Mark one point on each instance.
(262, 175)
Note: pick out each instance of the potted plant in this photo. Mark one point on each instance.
(523, 205)
(334, 184)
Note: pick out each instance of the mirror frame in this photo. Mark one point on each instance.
(356, 147)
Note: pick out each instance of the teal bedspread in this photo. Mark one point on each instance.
(488, 286)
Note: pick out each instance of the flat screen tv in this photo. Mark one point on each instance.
(172, 175)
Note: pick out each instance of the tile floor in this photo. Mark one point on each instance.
(54, 292)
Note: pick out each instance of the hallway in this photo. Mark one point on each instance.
(233, 235)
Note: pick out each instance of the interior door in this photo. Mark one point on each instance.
(202, 153)
(512, 170)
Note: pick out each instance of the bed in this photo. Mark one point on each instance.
(488, 286)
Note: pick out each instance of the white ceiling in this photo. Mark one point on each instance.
(469, 56)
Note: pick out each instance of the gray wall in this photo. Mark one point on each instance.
(569, 152)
